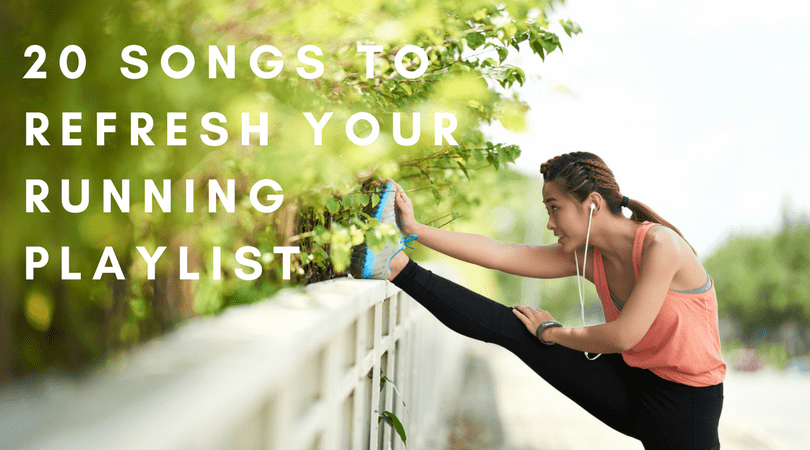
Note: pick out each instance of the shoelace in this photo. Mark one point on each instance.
(404, 241)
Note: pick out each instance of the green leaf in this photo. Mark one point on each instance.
(509, 29)
(489, 62)
(503, 52)
(537, 47)
(463, 169)
(384, 379)
(391, 419)
(493, 159)
(332, 205)
(436, 194)
(520, 76)
(570, 28)
(375, 200)
(475, 40)
(347, 202)
(481, 14)
(549, 42)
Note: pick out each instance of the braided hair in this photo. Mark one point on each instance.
(580, 173)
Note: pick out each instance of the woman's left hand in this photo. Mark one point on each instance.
(531, 317)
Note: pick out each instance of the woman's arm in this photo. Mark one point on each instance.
(545, 261)
(660, 261)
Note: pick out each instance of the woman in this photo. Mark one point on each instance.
(660, 375)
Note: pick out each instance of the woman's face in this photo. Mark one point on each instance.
(567, 218)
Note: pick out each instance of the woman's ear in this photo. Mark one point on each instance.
(596, 201)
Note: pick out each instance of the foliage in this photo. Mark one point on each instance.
(763, 281)
(50, 320)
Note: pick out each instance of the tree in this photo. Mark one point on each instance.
(763, 281)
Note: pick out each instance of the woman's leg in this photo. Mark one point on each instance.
(604, 387)
(674, 416)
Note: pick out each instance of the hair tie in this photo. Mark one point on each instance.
(625, 201)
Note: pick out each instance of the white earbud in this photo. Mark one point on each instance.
(593, 205)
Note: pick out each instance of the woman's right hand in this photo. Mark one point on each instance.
(406, 221)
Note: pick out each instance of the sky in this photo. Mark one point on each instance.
(700, 108)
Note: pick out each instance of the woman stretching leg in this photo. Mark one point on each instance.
(660, 376)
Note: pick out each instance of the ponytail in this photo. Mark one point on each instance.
(643, 213)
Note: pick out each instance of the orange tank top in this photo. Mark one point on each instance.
(683, 343)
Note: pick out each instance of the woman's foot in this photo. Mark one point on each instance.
(386, 263)
(382, 265)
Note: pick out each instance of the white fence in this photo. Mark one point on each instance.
(300, 372)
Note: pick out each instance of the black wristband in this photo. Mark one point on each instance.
(543, 326)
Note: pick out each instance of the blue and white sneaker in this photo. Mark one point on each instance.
(366, 263)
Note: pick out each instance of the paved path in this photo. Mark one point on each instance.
(516, 410)
(476, 424)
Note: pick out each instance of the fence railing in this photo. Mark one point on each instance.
(300, 372)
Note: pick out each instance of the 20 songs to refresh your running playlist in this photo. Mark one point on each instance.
(72, 63)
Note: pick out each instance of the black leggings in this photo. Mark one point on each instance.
(662, 414)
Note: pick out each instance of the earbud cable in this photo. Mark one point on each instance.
(581, 286)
